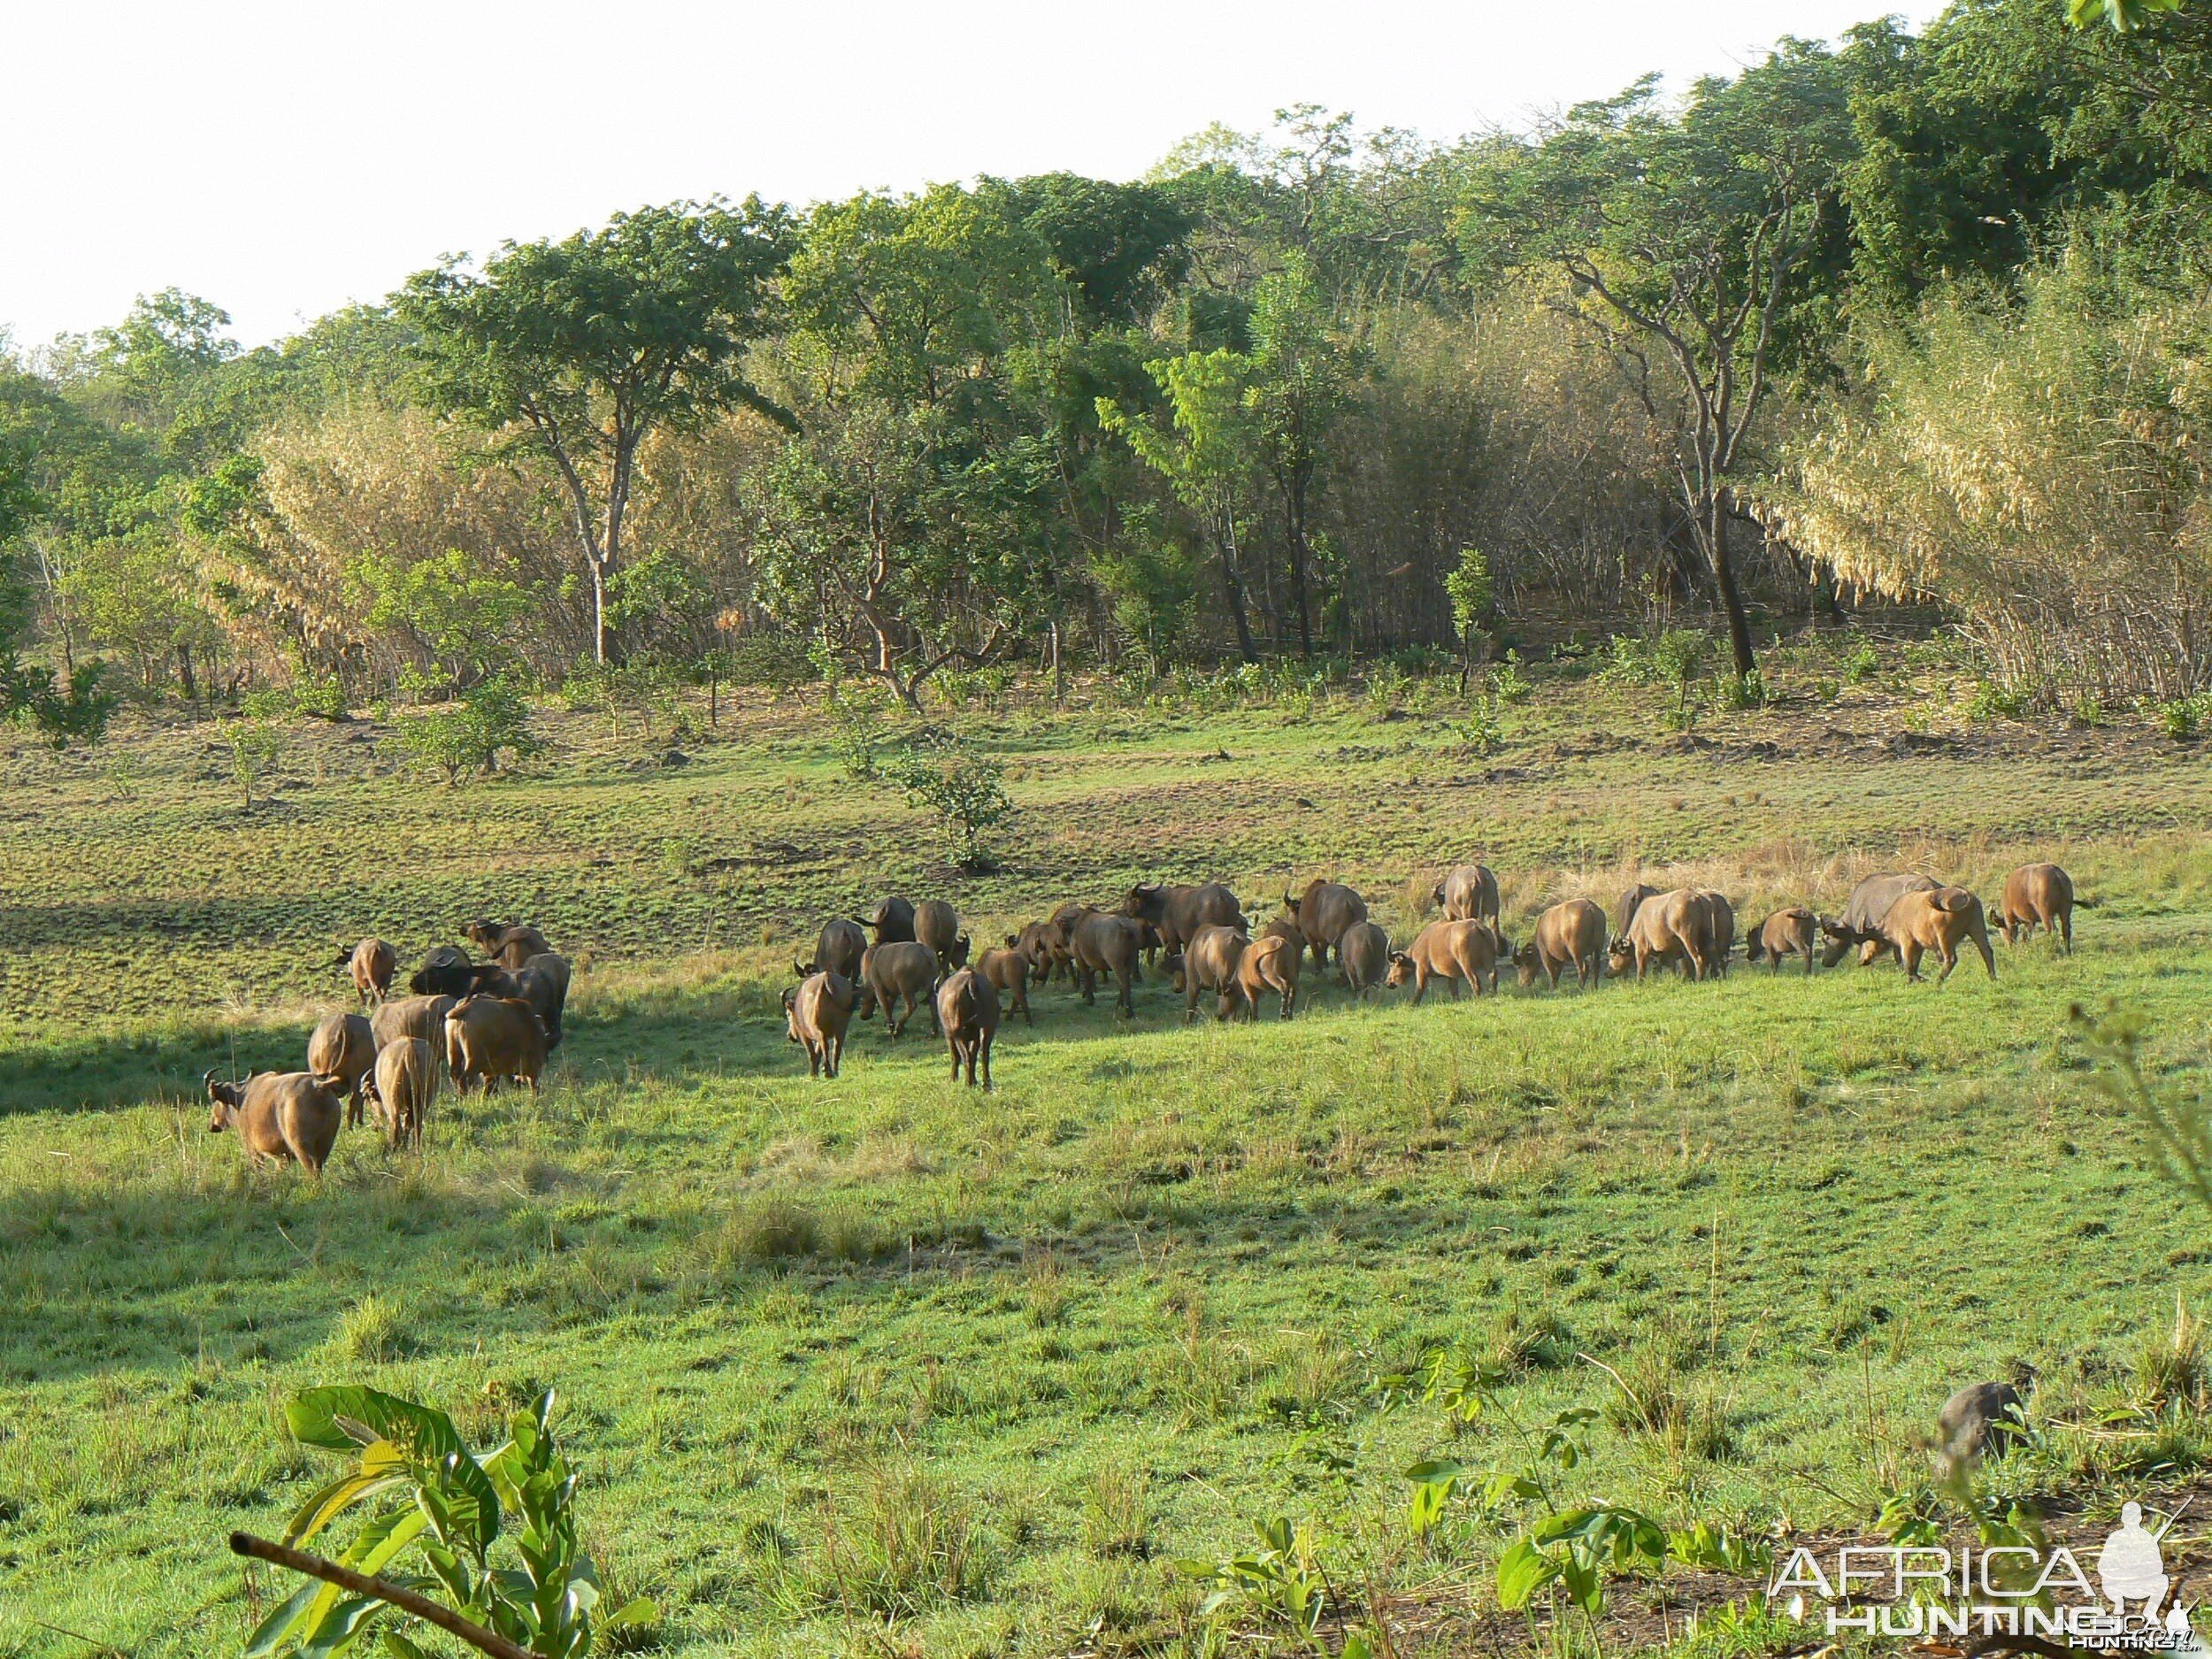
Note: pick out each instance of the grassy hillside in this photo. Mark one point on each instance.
(884, 1350)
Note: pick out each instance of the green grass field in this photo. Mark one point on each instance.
(886, 1366)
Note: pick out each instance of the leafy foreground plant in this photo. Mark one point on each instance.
(428, 1493)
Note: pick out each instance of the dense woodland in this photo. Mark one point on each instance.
(1914, 319)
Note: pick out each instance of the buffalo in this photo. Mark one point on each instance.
(1794, 932)
(1362, 950)
(1569, 935)
(1467, 893)
(371, 963)
(818, 1011)
(1862, 913)
(280, 1116)
(510, 945)
(1208, 962)
(1007, 967)
(1271, 963)
(901, 971)
(1176, 913)
(837, 950)
(1323, 911)
(2038, 895)
(401, 1087)
(967, 1014)
(490, 1040)
(1668, 927)
(340, 1052)
(937, 924)
(1932, 919)
(894, 921)
(1450, 951)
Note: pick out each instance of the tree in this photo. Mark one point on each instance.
(579, 351)
(1685, 241)
(1301, 380)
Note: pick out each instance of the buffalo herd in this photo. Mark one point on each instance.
(494, 1017)
(920, 959)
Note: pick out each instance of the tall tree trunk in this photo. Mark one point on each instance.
(1725, 580)
(1232, 581)
(1294, 502)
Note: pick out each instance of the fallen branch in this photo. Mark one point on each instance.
(407, 1600)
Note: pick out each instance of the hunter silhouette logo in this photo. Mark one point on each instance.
(1929, 1590)
(2131, 1567)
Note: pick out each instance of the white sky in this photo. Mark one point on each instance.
(282, 158)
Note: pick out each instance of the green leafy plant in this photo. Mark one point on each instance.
(1507, 683)
(1485, 732)
(1283, 1581)
(1999, 700)
(255, 747)
(965, 791)
(1468, 586)
(1860, 663)
(468, 738)
(1740, 692)
(424, 1497)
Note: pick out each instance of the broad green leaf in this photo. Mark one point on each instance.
(338, 1627)
(1523, 1570)
(271, 1633)
(631, 1615)
(399, 1647)
(382, 1465)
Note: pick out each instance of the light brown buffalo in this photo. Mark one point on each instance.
(1323, 911)
(2038, 895)
(1794, 932)
(1569, 935)
(340, 1053)
(1625, 912)
(1362, 950)
(280, 1116)
(422, 1017)
(818, 1012)
(837, 950)
(1100, 943)
(371, 963)
(1007, 967)
(903, 971)
(1936, 920)
(1208, 962)
(1176, 913)
(937, 924)
(1452, 952)
(1862, 913)
(492, 1039)
(509, 944)
(1668, 927)
(400, 1088)
(967, 1012)
(1469, 894)
(1269, 964)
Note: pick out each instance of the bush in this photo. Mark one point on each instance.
(966, 792)
(1509, 682)
(1995, 699)
(470, 736)
(78, 715)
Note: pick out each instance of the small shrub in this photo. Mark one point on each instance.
(965, 791)
(1507, 683)
(1860, 663)
(1996, 700)
(468, 738)
(1485, 732)
(2182, 717)
(321, 697)
(857, 732)
(1740, 692)
(255, 747)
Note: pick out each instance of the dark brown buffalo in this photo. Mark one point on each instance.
(542, 982)
(281, 1116)
(445, 972)
(1625, 912)
(509, 944)
(902, 971)
(967, 1013)
(2038, 895)
(837, 950)
(818, 1011)
(893, 920)
(1362, 950)
(1177, 913)
(1794, 932)
(422, 1017)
